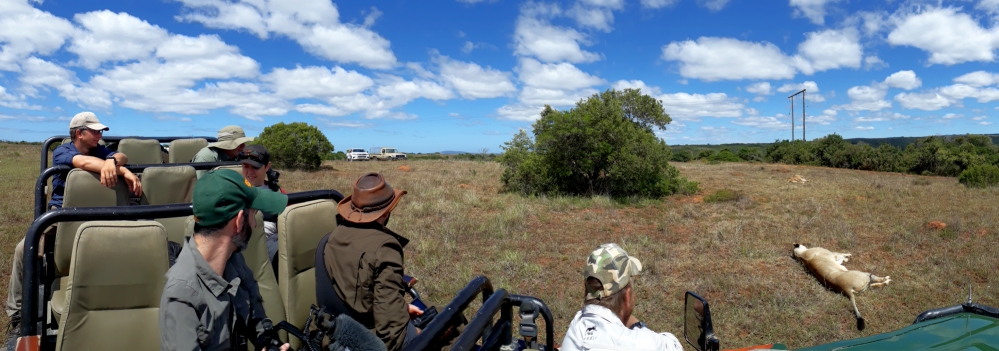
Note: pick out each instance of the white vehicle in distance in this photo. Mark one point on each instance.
(357, 155)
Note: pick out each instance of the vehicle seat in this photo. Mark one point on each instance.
(237, 168)
(168, 185)
(255, 256)
(141, 151)
(83, 189)
(116, 278)
(300, 227)
(183, 150)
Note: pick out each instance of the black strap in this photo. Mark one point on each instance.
(326, 295)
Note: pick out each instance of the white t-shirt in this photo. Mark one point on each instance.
(597, 328)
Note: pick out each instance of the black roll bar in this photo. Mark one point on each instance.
(969, 307)
(31, 306)
(43, 178)
(481, 325)
(58, 138)
(439, 324)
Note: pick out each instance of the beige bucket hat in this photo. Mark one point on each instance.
(230, 137)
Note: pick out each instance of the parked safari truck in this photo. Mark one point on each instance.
(386, 154)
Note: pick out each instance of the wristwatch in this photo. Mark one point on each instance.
(111, 157)
(639, 324)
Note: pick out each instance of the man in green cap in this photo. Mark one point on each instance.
(232, 139)
(209, 290)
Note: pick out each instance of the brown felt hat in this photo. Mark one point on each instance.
(372, 198)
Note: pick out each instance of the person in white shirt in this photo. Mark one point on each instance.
(606, 321)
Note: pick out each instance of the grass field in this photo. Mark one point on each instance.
(733, 250)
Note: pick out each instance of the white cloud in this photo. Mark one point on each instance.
(827, 117)
(874, 62)
(713, 5)
(534, 96)
(562, 76)
(978, 78)
(904, 80)
(866, 98)
(761, 88)
(534, 36)
(8, 100)
(472, 81)
(316, 82)
(951, 116)
(810, 87)
(636, 84)
(870, 119)
(598, 15)
(166, 118)
(658, 4)
(520, 112)
(814, 10)
(313, 24)
(929, 101)
(108, 36)
(684, 106)
(990, 6)
(713, 59)
(765, 122)
(25, 30)
(830, 49)
(863, 128)
(979, 118)
(949, 36)
(38, 73)
(985, 123)
(342, 124)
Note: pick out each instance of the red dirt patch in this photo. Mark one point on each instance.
(936, 225)
(696, 199)
(737, 174)
(781, 170)
(464, 186)
(404, 168)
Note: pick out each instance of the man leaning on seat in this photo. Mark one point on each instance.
(83, 152)
(231, 141)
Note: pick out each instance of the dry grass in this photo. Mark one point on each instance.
(737, 253)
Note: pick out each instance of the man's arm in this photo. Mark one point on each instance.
(179, 322)
(390, 309)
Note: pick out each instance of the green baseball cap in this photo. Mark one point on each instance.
(220, 194)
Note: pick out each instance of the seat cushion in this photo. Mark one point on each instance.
(183, 150)
(300, 227)
(168, 185)
(141, 151)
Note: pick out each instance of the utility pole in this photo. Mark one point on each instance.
(802, 92)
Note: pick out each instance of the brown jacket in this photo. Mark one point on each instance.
(365, 263)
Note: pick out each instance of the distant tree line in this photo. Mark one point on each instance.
(974, 159)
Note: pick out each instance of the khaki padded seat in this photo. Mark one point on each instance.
(300, 227)
(177, 228)
(237, 168)
(141, 151)
(183, 150)
(168, 185)
(114, 286)
(255, 256)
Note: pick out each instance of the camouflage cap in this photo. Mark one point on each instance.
(613, 267)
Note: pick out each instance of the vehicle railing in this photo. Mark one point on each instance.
(43, 178)
(969, 307)
(439, 325)
(32, 305)
(59, 138)
(501, 334)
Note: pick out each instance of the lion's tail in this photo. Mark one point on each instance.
(860, 320)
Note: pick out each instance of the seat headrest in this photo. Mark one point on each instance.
(118, 265)
(141, 151)
(168, 185)
(183, 150)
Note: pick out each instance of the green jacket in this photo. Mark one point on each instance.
(365, 263)
(210, 154)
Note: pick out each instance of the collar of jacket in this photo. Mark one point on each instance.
(375, 225)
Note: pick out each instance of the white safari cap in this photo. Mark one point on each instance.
(87, 119)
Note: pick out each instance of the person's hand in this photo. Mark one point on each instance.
(284, 347)
(414, 311)
(133, 183)
(109, 173)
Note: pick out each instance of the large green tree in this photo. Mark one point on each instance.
(605, 145)
(295, 145)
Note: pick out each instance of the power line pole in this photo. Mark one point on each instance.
(802, 92)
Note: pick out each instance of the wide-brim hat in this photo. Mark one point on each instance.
(372, 198)
(230, 137)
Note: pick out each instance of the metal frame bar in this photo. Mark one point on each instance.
(32, 306)
(802, 92)
(58, 138)
(42, 181)
(439, 324)
(969, 307)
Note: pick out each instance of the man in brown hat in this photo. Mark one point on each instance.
(364, 262)
(231, 140)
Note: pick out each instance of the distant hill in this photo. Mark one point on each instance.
(454, 152)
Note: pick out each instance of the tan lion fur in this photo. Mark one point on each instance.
(828, 266)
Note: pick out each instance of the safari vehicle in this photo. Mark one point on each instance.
(968, 326)
(357, 155)
(98, 285)
(385, 154)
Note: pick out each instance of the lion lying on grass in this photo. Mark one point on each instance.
(828, 266)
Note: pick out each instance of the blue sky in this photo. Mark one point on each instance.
(427, 76)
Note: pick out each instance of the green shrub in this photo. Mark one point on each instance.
(605, 145)
(750, 154)
(705, 154)
(980, 176)
(723, 195)
(295, 145)
(681, 156)
(335, 156)
(725, 155)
